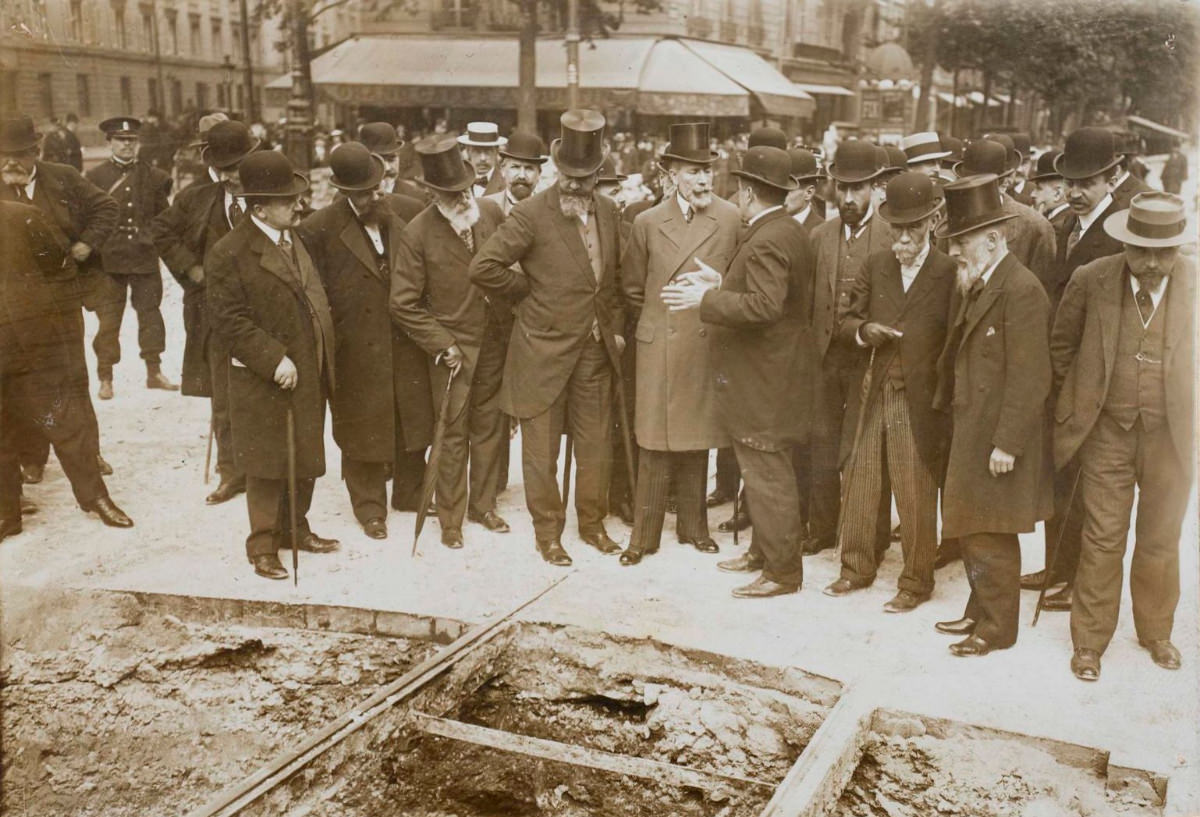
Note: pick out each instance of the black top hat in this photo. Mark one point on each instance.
(971, 204)
(767, 137)
(911, 196)
(580, 149)
(1044, 170)
(804, 165)
(228, 143)
(121, 127)
(689, 143)
(355, 168)
(18, 135)
(379, 137)
(442, 165)
(1014, 157)
(269, 173)
(985, 156)
(1088, 152)
(768, 165)
(855, 161)
(608, 172)
(525, 147)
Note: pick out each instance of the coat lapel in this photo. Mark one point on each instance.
(892, 287)
(688, 237)
(355, 239)
(1110, 315)
(271, 259)
(569, 233)
(991, 292)
(606, 227)
(922, 284)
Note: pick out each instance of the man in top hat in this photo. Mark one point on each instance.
(802, 203)
(924, 153)
(184, 235)
(269, 310)
(481, 146)
(402, 197)
(128, 259)
(993, 378)
(382, 414)
(521, 161)
(756, 315)
(676, 410)
(1123, 350)
(1131, 181)
(899, 307)
(1050, 191)
(61, 144)
(461, 330)
(565, 344)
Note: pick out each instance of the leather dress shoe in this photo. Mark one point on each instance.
(9, 527)
(844, 586)
(553, 553)
(704, 544)
(157, 380)
(717, 497)
(452, 538)
(971, 645)
(32, 474)
(948, 551)
(311, 543)
(110, 514)
(600, 541)
(28, 506)
(812, 545)
(905, 601)
(225, 491)
(962, 626)
(105, 392)
(631, 557)
(268, 566)
(1085, 664)
(375, 527)
(1059, 602)
(762, 588)
(741, 521)
(1163, 653)
(742, 564)
(490, 520)
(101, 463)
(1033, 581)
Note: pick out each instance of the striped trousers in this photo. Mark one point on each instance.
(655, 468)
(887, 453)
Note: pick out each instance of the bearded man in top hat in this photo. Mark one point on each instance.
(382, 415)
(269, 309)
(802, 203)
(565, 345)
(1123, 350)
(521, 161)
(1050, 191)
(461, 331)
(184, 235)
(676, 413)
(481, 146)
(994, 378)
(923, 153)
(402, 197)
(128, 258)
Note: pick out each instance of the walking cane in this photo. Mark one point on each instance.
(858, 427)
(208, 449)
(432, 467)
(1053, 560)
(737, 491)
(291, 463)
(566, 480)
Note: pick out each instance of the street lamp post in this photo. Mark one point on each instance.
(298, 137)
(227, 69)
(572, 54)
(248, 65)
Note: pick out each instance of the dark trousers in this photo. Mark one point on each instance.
(270, 519)
(658, 472)
(1113, 462)
(61, 416)
(366, 482)
(824, 474)
(1064, 532)
(774, 512)
(993, 564)
(728, 474)
(619, 488)
(106, 297)
(584, 408)
(222, 429)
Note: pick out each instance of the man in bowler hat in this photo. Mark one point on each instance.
(521, 161)
(400, 196)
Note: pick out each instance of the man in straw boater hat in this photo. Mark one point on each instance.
(184, 235)
(402, 197)
(382, 416)
(899, 307)
(756, 315)
(460, 329)
(565, 345)
(128, 258)
(1123, 350)
(481, 146)
(924, 153)
(269, 310)
(521, 161)
(676, 418)
(993, 378)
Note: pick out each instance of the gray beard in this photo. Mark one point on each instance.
(461, 217)
(966, 277)
(700, 200)
(15, 177)
(573, 206)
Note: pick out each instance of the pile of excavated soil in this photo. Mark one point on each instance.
(109, 710)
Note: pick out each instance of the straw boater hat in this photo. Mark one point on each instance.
(1153, 220)
(355, 168)
(442, 165)
(923, 147)
(269, 173)
(911, 197)
(483, 135)
(971, 204)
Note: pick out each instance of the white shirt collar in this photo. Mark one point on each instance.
(269, 231)
(802, 216)
(684, 205)
(750, 223)
(862, 225)
(1057, 210)
(1086, 220)
(372, 229)
(31, 184)
(908, 274)
(1156, 294)
(213, 174)
(987, 273)
(1121, 179)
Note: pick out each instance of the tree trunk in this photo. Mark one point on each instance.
(527, 68)
(928, 62)
(987, 98)
(299, 108)
(1010, 113)
(954, 106)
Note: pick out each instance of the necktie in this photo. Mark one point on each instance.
(235, 215)
(285, 244)
(1073, 238)
(468, 239)
(1145, 303)
(22, 196)
(688, 215)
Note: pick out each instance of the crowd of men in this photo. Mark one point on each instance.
(968, 331)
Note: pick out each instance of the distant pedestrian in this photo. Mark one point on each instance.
(61, 144)
(1175, 170)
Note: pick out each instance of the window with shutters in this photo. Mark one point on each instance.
(172, 26)
(76, 20)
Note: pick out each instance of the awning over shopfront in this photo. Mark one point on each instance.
(1156, 126)
(776, 93)
(815, 89)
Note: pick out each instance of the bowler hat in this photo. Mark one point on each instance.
(580, 149)
(608, 172)
(1088, 152)
(911, 196)
(1023, 143)
(355, 168)
(379, 137)
(689, 143)
(1013, 157)
(971, 204)
(1153, 220)
(228, 143)
(483, 134)
(896, 158)
(269, 173)
(121, 127)
(442, 165)
(768, 165)
(954, 146)
(804, 165)
(525, 147)
(923, 147)
(855, 161)
(985, 156)
(1044, 171)
(767, 137)
(18, 135)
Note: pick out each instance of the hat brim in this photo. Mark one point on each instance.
(299, 185)
(960, 169)
(467, 182)
(1077, 174)
(24, 146)
(498, 142)
(570, 169)
(537, 160)
(854, 178)
(943, 230)
(695, 160)
(1117, 226)
(808, 178)
(893, 216)
(929, 157)
(378, 168)
(791, 185)
(1045, 177)
(617, 179)
(227, 162)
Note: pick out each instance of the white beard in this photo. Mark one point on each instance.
(700, 200)
(462, 216)
(573, 206)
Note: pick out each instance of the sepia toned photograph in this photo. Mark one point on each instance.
(599, 408)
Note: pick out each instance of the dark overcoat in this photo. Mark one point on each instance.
(994, 376)
(1095, 243)
(825, 239)
(141, 194)
(1030, 238)
(1129, 187)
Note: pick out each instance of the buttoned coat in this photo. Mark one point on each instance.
(825, 241)
(559, 297)
(1093, 244)
(994, 377)
(676, 395)
(381, 372)
(141, 194)
(760, 342)
(1083, 350)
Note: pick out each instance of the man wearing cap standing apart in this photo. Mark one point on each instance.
(434, 301)
(401, 197)
(184, 234)
(994, 378)
(1123, 350)
(757, 316)
(565, 346)
(128, 258)
(268, 308)
(382, 414)
(481, 146)
(676, 420)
